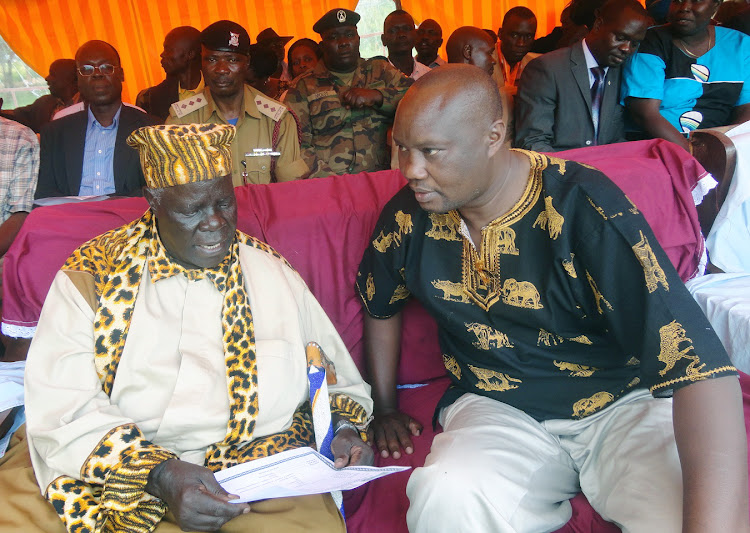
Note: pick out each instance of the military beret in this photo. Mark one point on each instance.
(336, 18)
(226, 36)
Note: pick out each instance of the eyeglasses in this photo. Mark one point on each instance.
(105, 70)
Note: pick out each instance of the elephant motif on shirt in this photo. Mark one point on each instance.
(521, 294)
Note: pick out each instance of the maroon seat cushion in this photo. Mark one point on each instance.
(659, 177)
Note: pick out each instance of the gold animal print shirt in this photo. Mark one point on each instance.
(567, 304)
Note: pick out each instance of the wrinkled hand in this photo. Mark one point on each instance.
(359, 97)
(349, 449)
(192, 493)
(391, 431)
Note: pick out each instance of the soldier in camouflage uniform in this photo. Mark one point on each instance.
(346, 104)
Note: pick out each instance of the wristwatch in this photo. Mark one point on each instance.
(342, 424)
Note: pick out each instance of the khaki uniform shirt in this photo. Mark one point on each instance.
(254, 130)
(337, 140)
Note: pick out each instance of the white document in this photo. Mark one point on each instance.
(295, 473)
(59, 200)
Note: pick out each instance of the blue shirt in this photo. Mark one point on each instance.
(98, 175)
(694, 92)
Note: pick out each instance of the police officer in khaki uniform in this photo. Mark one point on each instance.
(266, 148)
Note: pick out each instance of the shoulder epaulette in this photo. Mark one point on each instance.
(269, 107)
(189, 104)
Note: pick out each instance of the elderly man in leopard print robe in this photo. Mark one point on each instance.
(171, 348)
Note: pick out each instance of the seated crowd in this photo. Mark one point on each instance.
(578, 360)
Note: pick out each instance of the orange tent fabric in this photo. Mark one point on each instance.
(40, 31)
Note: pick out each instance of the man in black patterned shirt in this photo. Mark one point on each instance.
(564, 328)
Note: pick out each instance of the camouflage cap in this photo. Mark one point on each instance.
(177, 154)
(226, 36)
(336, 18)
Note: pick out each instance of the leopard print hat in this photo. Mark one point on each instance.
(178, 154)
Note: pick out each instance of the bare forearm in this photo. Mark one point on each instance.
(382, 354)
(646, 114)
(710, 433)
(9, 229)
(741, 114)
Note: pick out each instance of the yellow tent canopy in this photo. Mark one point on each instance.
(40, 31)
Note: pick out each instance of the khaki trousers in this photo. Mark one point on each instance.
(496, 469)
(25, 510)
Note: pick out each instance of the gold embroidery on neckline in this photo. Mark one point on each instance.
(481, 269)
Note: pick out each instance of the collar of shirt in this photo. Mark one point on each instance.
(186, 93)
(418, 69)
(93, 123)
(438, 61)
(591, 62)
(248, 105)
(321, 71)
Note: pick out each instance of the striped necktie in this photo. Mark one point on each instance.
(597, 92)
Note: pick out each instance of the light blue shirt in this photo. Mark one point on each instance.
(98, 175)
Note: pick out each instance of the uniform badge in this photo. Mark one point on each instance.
(341, 15)
(234, 39)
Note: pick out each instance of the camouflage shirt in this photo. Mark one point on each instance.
(337, 140)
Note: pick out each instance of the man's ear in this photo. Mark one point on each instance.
(496, 136)
(597, 22)
(466, 52)
(382, 38)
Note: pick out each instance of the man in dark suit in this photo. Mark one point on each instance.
(84, 154)
(570, 98)
(181, 61)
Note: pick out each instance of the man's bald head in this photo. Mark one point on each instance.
(458, 85)
(97, 47)
(449, 134)
(471, 45)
